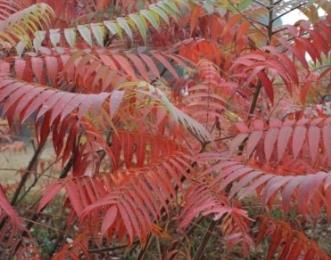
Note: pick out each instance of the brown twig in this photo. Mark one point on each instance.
(205, 239)
(27, 173)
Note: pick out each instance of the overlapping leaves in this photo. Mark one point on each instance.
(272, 142)
(309, 192)
(21, 26)
(154, 16)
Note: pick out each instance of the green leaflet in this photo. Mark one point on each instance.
(25, 23)
(85, 32)
(152, 17)
(70, 36)
(160, 12)
(243, 4)
(113, 28)
(167, 9)
(55, 36)
(173, 7)
(39, 38)
(98, 32)
(20, 47)
(178, 115)
(125, 26)
(141, 25)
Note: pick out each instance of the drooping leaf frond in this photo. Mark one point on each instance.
(309, 192)
(200, 199)
(21, 25)
(8, 8)
(22, 99)
(309, 38)
(287, 242)
(303, 138)
(178, 116)
(153, 16)
(94, 70)
(8, 210)
(130, 199)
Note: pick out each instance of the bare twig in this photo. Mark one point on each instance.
(27, 173)
(204, 241)
(110, 249)
(143, 250)
(289, 11)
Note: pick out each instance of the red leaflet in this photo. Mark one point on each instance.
(50, 192)
(150, 64)
(283, 139)
(9, 210)
(127, 223)
(139, 65)
(20, 68)
(74, 197)
(253, 186)
(275, 242)
(38, 69)
(270, 141)
(299, 137)
(127, 144)
(267, 84)
(327, 142)
(197, 12)
(290, 243)
(52, 68)
(305, 44)
(125, 65)
(272, 187)
(166, 64)
(314, 134)
(253, 141)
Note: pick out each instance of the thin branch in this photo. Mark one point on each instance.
(109, 249)
(244, 16)
(42, 225)
(255, 98)
(36, 215)
(289, 11)
(27, 173)
(36, 179)
(58, 240)
(270, 23)
(258, 22)
(260, 3)
(143, 250)
(204, 241)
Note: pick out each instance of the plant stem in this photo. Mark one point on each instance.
(255, 98)
(270, 34)
(109, 249)
(143, 250)
(36, 215)
(205, 239)
(27, 173)
(290, 10)
(67, 168)
(58, 241)
(271, 21)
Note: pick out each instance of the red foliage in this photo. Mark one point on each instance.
(164, 113)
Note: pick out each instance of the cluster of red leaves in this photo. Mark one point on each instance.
(127, 148)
